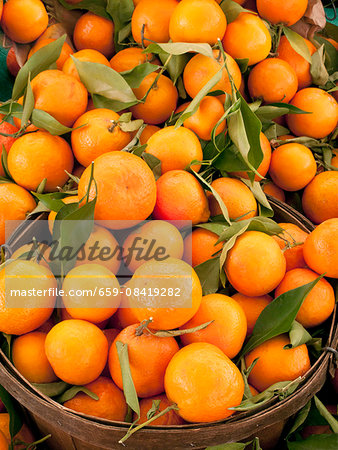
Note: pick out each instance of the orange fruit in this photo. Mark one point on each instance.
(54, 31)
(320, 197)
(273, 80)
(287, 12)
(28, 355)
(12, 62)
(247, 37)
(321, 248)
(18, 315)
(52, 214)
(323, 116)
(255, 265)
(180, 197)
(24, 21)
(277, 363)
(128, 180)
(66, 51)
(237, 197)
(24, 435)
(128, 58)
(296, 61)
(60, 95)
(98, 132)
(40, 155)
(200, 245)
(3, 441)
(64, 315)
(176, 148)
(111, 404)
(252, 307)
(95, 32)
(188, 22)
(147, 372)
(318, 304)
(334, 160)
(200, 69)
(1, 8)
(147, 132)
(228, 329)
(124, 315)
(170, 418)
(204, 383)
(77, 350)
(6, 141)
(253, 390)
(88, 55)
(292, 166)
(154, 17)
(38, 252)
(110, 334)
(295, 238)
(270, 188)
(160, 102)
(17, 121)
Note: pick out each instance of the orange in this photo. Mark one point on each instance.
(28, 355)
(20, 314)
(237, 197)
(154, 17)
(273, 80)
(128, 180)
(229, 326)
(6, 141)
(66, 51)
(38, 253)
(296, 61)
(270, 188)
(124, 315)
(24, 21)
(52, 214)
(293, 237)
(180, 197)
(54, 31)
(1, 8)
(60, 95)
(247, 37)
(111, 404)
(147, 132)
(110, 334)
(188, 22)
(318, 304)
(3, 441)
(170, 418)
(40, 155)
(77, 350)
(334, 160)
(200, 69)
(276, 363)
(320, 197)
(95, 32)
(64, 315)
(17, 121)
(98, 132)
(149, 357)
(15, 204)
(323, 116)
(88, 55)
(24, 435)
(292, 166)
(200, 245)
(255, 265)
(130, 57)
(204, 383)
(321, 249)
(176, 148)
(287, 12)
(160, 102)
(12, 62)
(252, 307)
(203, 121)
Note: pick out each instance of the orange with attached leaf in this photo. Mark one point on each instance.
(252, 307)
(24, 435)
(87, 55)
(6, 141)
(66, 51)
(291, 241)
(170, 418)
(131, 57)
(200, 245)
(52, 214)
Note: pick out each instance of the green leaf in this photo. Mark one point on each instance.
(70, 393)
(121, 11)
(28, 103)
(52, 201)
(4, 157)
(298, 335)
(115, 105)
(316, 442)
(298, 43)
(176, 64)
(231, 446)
(155, 407)
(41, 119)
(274, 110)
(95, 6)
(260, 196)
(128, 384)
(214, 227)
(300, 418)
(231, 10)
(180, 48)
(318, 70)
(331, 54)
(243, 64)
(326, 414)
(234, 231)
(51, 389)
(15, 420)
(208, 274)
(135, 76)
(131, 126)
(181, 332)
(154, 164)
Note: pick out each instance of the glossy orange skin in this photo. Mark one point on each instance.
(320, 197)
(204, 383)
(321, 248)
(1, 8)
(170, 418)
(40, 155)
(318, 304)
(273, 80)
(23, 22)
(156, 17)
(294, 235)
(200, 245)
(92, 31)
(323, 119)
(160, 103)
(130, 57)
(228, 329)
(146, 134)
(247, 37)
(292, 166)
(6, 141)
(296, 61)
(77, 350)
(252, 307)
(28, 354)
(271, 189)
(149, 357)
(255, 265)
(287, 12)
(180, 197)
(66, 51)
(197, 21)
(236, 196)
(111, 404)
(88, 55)
(276, 363)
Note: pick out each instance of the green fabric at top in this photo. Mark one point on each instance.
(6, 79)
